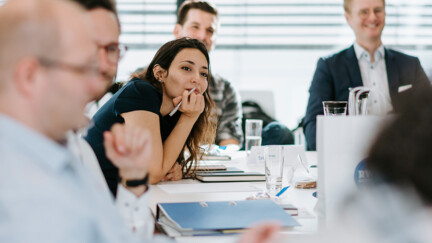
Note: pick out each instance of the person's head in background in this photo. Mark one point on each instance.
(198, 20)
(402, 154)
(175, 68)
(48, 63)
(367, 20)
(106, 32)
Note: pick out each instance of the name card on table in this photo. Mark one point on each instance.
(291, 155)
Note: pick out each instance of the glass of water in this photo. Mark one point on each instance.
(253, 130)
(274, 165)
(334, 108)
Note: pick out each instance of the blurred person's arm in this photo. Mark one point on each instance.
(129, 149)
(136, 212)
(228, 142)
(261, 233)
(228, 103)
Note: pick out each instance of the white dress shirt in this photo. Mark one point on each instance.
(46, 195)
(94, 106)
(374, 76)
(135, 211)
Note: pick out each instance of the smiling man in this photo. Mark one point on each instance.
(386, 72)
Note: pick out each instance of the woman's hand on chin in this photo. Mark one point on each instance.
(192, 106)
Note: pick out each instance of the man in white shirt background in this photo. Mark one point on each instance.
(367, 63)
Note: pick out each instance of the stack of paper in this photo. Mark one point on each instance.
(223, 157)
(231, 174)
(230, 177)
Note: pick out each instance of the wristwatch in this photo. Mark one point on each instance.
(135, 183)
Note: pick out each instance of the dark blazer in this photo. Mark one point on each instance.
(337, 73)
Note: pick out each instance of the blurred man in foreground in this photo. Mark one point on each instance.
(130, 158)
(49, 71)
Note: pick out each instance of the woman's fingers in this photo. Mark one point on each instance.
(174, 174)
(177, 100)
(194, 102)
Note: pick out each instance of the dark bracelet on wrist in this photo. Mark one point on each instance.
(135, 183)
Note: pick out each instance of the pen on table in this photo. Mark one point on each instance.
(178, 105)
(282, 191)
(301, 162)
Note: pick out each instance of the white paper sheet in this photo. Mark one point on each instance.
(209, 187)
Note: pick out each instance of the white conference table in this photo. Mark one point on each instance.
(188, 190)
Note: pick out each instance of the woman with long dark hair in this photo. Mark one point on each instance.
(146, 101)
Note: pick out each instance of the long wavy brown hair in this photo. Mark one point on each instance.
(204, 130)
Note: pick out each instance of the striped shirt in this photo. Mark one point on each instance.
(229, 109)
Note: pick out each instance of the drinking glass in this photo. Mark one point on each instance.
(253, 130)
(334, 108)
(274, 165)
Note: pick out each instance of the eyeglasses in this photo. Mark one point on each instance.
(92, 70)
(364, 13)
(114, 51)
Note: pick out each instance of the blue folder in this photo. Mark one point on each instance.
(221, 216)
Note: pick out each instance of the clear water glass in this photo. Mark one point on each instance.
(274, 165)
(335, 108)
(253, 129)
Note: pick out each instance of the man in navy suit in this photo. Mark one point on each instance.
(366, 63)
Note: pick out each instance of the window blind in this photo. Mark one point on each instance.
(277, 24)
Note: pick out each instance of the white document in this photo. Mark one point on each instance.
(205, 187)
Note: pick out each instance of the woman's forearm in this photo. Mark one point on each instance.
(173, 146)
